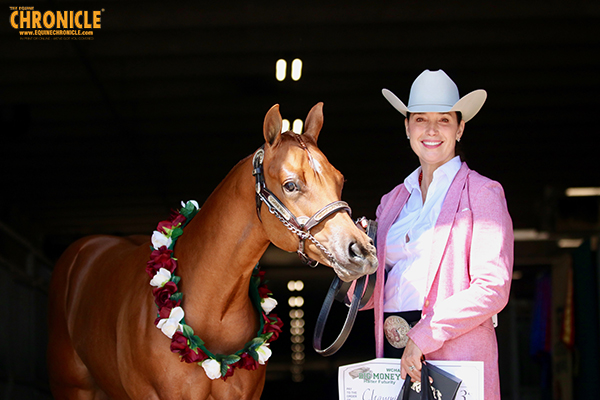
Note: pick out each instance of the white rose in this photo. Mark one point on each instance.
(162, 276)
(264, 352)
(194, 202)
(159, 239)
(267, 304)
(170, 325)
(212, 368)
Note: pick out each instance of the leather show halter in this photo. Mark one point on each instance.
(301, 227)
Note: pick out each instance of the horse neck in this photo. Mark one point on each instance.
(221, 245)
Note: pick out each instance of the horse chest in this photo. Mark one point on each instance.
(188, 382)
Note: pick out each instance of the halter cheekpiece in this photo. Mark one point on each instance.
(300, 226)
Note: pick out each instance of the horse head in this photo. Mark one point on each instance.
(303, 182)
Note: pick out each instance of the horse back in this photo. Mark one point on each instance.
(93, 261)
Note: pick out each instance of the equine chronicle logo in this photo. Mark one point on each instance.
(55, 25)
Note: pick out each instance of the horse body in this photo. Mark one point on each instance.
(103, 341)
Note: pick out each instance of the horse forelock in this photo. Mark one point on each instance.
(302, 142)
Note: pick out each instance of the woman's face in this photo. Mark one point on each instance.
(433, 136)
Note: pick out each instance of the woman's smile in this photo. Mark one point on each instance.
(432, 144)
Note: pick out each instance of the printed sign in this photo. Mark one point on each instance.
(380, 379)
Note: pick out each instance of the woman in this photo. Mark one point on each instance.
(445, 239)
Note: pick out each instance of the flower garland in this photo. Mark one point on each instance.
(161, 268)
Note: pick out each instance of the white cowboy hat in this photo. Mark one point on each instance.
(436, 92)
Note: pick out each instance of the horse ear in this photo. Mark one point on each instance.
(314, 121)
(272, 124)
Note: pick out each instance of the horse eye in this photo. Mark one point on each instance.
(290, 187)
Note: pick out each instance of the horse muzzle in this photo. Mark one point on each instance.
(354, 253)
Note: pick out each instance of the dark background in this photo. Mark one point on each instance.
(107, 135)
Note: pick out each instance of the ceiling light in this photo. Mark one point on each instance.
(583, 191)
(297, 126)
(285, 125)
(296, 301)
(529, 234)
(296, 69)
(569, 243)
(517, 275)
(280, 69)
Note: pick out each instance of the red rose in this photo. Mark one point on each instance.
(247, 362)
(160, 258)
(228, 373)
(177, 219)
(163, 312)
(274, 327)
(164, 224)
(179, 342)
(162, 295)
(261, 276)
(192, 356)
(263, 291)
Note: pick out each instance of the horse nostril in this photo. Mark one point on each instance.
(354, 250)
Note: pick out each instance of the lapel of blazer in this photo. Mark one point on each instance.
(445, 221)
(396, 206)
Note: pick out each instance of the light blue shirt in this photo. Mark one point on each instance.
(409, 240)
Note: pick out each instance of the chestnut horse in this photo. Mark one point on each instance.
(103, 340)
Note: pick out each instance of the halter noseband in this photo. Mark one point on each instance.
(300, 226)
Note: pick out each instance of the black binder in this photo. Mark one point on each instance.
(443, 386)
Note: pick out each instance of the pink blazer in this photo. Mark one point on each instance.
(469, 276)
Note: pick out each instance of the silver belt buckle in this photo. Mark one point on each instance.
(396, 331)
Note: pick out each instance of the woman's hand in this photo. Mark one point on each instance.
(411, 358)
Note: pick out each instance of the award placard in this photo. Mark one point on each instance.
(380, 379)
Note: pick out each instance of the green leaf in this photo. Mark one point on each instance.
(176, 233)
(189, 210)
(253, 353)
(224, 368)
(255, 343)
(175, 279)
(177, 296)
(195, 342)
(231, 359)
(188, 332)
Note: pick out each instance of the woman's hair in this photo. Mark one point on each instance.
(458, 116)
